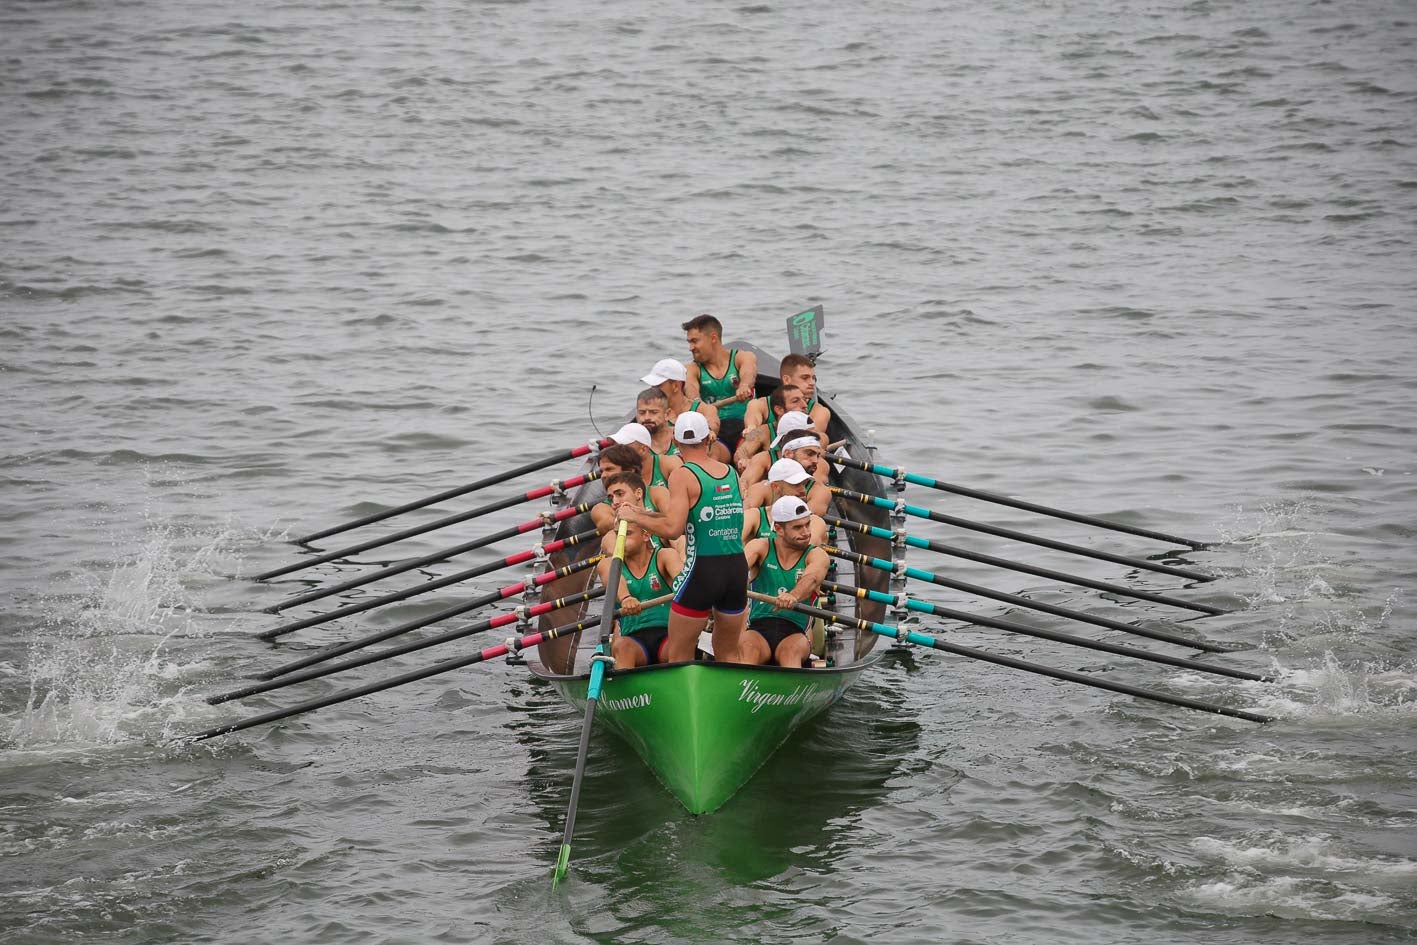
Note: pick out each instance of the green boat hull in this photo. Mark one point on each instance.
(706, 728)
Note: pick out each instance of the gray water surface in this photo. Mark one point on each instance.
(268, 266)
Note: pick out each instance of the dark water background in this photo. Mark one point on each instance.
(263, 265)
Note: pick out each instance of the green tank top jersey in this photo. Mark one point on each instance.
(719, 388)
(764, 522)
(772, 580)
(715, 522)
(656, 476)
(653, 583)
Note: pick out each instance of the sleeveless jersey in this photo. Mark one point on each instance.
(715, 522)
(656, 476)
(772, 579)
(674, 444)
(717, 388)
(653, 583)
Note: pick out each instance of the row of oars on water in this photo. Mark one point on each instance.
(323, 662)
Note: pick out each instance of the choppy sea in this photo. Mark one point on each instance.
(267, 266)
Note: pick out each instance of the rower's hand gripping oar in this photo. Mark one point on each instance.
(597, 678)
(593, 446)
(923, 639)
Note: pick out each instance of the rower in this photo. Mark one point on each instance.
(785, 478)
(758, 432)
(623, 457)
(652, 413)
(791, 428)
(649, 570)
(799, 372)
(667, 376)
(789, 566)
(724, 376)
(706, 505)
(654, 469)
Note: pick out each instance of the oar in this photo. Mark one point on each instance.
(1019, 566)
(447, 613)
(551, 460)
(510, 561)
(433, 558)
(446, 666)
(891, 473)
(443, 522)
(1010, 533)
(501, 620)
(923, 639)
(930, 577)
(1054, 635)
(597, 678)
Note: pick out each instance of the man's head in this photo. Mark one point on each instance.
(691, 430)
(705, 336)
(793, 521)
(797, 369)
(651, 409)
(623, 487)
(787, 397)
(787, 477)
(619, 458)
(632, 434)
(806, 448)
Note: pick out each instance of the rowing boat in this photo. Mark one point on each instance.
(706, 728)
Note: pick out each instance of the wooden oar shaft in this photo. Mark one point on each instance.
(428, 586)
(922, 639)
(492, 623)
(432, 558)
(890, 473)
(446, 666)
(533, 466)
(447, 613)
(1056, 636)
(953, 551)
(1014, 535)
(931, 577)
(415, 530)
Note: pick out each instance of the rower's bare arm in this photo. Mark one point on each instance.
(747, 374)
(821, 416)
(670, 562)
(818, 499)
(668, 524)
(691, 379)
(753, 441)
(602, 516)
(756, 414)
(659, 496)
(812, 576)
(710, 413)
(755, 551)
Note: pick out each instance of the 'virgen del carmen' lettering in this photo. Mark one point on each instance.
(802, 695)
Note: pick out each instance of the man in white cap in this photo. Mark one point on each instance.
(629, 456)
(653, 469)
(706, 506)
(785, 478)
(668, 376)
(788, 566)
(791, 429)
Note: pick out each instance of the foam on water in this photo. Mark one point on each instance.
(103, 667)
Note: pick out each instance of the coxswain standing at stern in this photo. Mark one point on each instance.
(722, 376)
(706, 506)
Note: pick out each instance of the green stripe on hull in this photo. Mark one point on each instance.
(706, 728)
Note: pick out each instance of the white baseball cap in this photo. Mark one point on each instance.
(791, 422)
(789, 471)
(665, 369)
(789, 508)
(633, 433)
(691, 427)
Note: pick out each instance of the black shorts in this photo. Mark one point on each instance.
(651, 640)
(713, 582)
(775, 630)
(730, 431)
